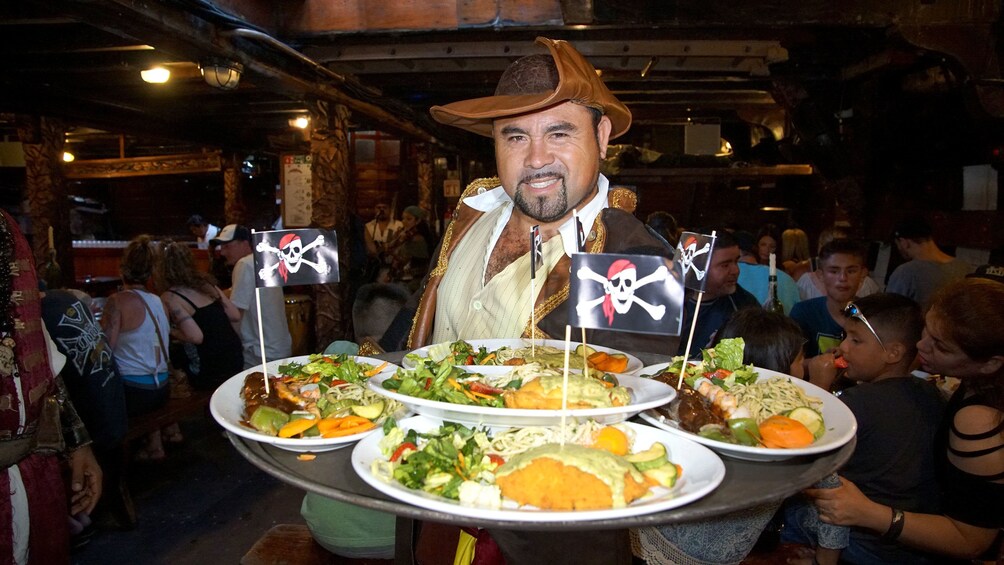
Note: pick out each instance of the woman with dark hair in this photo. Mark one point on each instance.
(768, 240)
(964, 338)
(136, 326)
(200, 314)
(773, 340)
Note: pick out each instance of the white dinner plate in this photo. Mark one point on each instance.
(703, 471)
(492, 344)
(838, 419)
(645, 394)
(227, 407)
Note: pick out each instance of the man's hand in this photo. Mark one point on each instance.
(85, 480)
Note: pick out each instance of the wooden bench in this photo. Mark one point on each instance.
(117, 493)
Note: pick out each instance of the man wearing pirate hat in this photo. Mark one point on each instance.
(550, 120)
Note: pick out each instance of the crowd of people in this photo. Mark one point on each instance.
(926, 481)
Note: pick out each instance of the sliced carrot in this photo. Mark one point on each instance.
(482, 395)
(375, 370)
(453, 382)
(785, 433)
(468, 394)
(306, 457)
(598, 358)
(487, 359)
(616, 363)
(341, 432)
(297, 427)
(353, 420)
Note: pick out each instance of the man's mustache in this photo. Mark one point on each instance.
(538, 175)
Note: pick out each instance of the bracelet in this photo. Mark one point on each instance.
(895, 526)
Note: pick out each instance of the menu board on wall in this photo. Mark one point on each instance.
(296, 192)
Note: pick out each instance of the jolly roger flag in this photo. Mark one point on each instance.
(291, 257)
(693, 255)
(627, 293)
(536, 251)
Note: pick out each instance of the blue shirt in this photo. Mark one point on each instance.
(754, 278)
(819, 328)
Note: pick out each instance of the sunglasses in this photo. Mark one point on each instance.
(852, 311)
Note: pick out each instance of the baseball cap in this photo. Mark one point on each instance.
(230, 233)
(989, 272)
(572, 78)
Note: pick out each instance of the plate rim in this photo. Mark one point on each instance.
(669, 501)
(750, 453)
(633, 360)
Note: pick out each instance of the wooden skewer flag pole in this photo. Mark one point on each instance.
(580, 245)
(536, 261)
(261, 332)
(564, 385)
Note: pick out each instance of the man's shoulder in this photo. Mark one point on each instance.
(743, 297)
(810, 305)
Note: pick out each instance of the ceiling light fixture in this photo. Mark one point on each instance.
(221, 73)
(155, 75)
(301, 122)
(68, 157)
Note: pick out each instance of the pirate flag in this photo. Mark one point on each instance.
(292, 257)
(536, 251)
(635, 293)
(693, 255)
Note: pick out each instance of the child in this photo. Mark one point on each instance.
(897, 416)
(773, 342)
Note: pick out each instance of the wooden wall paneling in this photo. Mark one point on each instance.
(329, 149)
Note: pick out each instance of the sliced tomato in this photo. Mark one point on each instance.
(840, 363)
(470, 360)
(401, 449)
(428, 383)
(338, 382)
(496, 459)
(721, 374)
(482, 388)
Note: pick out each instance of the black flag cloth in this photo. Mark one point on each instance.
(628, 293)
(693, 255)
(536, 251)
(291, 257)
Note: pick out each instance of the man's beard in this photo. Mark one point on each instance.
(542, 208)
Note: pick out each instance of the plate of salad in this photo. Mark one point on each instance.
(478, 395)
(452, 468)
(315, 402)
(546, 352)
(749, 412)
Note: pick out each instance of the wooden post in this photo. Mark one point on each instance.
(43, 139)
(234, 210)
(329, 171)
(426, 194)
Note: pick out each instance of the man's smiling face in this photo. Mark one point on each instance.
(548, 161)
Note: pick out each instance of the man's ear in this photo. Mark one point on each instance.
(603, 135)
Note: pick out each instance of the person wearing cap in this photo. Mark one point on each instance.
(202, 230)
(234, 242)
(550, 120)
(927, 267)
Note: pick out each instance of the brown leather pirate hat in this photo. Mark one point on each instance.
(577, 82)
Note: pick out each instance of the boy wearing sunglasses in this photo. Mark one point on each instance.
(897, 416)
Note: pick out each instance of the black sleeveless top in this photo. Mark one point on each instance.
(220, 353)
(973, 499)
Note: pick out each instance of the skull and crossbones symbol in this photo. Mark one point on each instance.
(688, 251)
(290, 253)
(619, 288)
